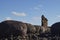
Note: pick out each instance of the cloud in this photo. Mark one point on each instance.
(58, 16)
(18, 14)
(38, 7)
(36, 18)
(8, 18)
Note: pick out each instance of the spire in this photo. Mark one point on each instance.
(44, 21)
(43, 18)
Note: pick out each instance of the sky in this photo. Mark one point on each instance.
(30, 11)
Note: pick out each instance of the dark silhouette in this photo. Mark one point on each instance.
(55, 29)
(11, 27)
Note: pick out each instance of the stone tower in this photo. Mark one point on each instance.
(44, 21)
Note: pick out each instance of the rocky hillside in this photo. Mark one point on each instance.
(17, 28)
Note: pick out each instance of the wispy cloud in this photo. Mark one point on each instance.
(8, 18)
(58, 16)
(18, 14)
(38, 7)
(36, 18)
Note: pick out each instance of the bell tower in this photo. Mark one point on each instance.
(44, 21)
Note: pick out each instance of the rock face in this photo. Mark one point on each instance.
(44, 24)
(55, 29)
(37, 28)
(15, 28)
(44, 21)
(30, 28)
(12, 27)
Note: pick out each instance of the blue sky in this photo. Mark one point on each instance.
(30, 11)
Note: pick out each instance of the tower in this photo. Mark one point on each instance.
(44, 21)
